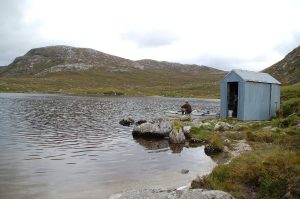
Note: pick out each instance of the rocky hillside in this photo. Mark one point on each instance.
(41, 61)
(45, 60)
(64, 69)
(287, 71)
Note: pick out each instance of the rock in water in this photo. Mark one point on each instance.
(184, 171)
(211, 149)
(141, 121)
(127, 121)
(158, 128)
(177, 136)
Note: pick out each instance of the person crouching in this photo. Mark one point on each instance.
(186, 108)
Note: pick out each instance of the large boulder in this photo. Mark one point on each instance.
(172, 194)
(177, 136)
(158, 128)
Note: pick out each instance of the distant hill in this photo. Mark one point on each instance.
(41, 61)
(287, 70)
(86, 71)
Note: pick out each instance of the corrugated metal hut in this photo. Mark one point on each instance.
(248, 95)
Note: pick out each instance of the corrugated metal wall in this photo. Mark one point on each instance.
(223, 113)
(275, 99)
(256, 100)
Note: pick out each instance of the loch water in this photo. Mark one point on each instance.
(60, 146)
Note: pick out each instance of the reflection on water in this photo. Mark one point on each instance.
(56, 146)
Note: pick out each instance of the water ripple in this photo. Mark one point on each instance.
(48, 140)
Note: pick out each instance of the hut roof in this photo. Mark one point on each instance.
(250, 76)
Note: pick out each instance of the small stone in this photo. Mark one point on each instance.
(186, 129)
(185, 118)
(141, 121)
(211, 149)
(227, 141)
(127, 121)
(222, 126)
(275, 129)
(184, 171)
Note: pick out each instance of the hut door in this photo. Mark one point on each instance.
(232, 98)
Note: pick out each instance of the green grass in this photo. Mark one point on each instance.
(200, 133)
(289, 92)
(272, 168)
(132, 83)
(204, 135)
(289, 107)
(268, 173)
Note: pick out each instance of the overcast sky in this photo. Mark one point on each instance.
(229, 34)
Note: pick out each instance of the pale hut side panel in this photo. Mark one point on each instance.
(275, 99)
(223, 113)
(257, 101)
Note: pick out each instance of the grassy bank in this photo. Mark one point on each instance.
(272, 168)
(133, 83)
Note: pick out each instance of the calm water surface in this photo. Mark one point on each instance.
(56, 146)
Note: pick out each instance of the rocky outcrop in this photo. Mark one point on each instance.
(177, 136)
(158, 128)
(287, 70)
(172, 194)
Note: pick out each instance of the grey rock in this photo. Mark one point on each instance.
(275, 129)
(186, 129)
(172, 194)
(127, 121)
(222, 126)
(158, 128)
(177, 137)
(210, 149)
(184, 171)
(197, 123)
(200, 123)
(141, 121)
(185, 118)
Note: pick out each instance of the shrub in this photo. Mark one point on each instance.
(216, 141)
(236, 136)
(178, 124)
(266, 172)
(292, 91)
(287, 121)
(291, 106)
(199, 133)
(266, 136)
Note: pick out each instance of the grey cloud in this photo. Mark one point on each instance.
(151, 38)
(226, 63)
(286, 47)
(16, 36)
